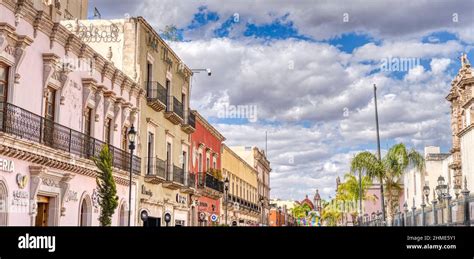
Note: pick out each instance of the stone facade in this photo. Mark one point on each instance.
(59, 94)
(462, 124)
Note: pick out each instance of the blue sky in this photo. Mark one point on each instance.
(310, 75)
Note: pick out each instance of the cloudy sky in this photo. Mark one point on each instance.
(306, 69)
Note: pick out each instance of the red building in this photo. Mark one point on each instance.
(205, 157)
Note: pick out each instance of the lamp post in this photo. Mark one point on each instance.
(226, 189)
(131, 140)
(441, 190)
(379, 157)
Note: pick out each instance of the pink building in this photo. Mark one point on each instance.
(60, 102)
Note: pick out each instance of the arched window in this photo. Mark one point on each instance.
(3, 204)
(85, 212)
(123, 215)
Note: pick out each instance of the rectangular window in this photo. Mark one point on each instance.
(50, 103)
(214, 163)
(185, 161)
(168, 159)
(3, 83)
(124, 141)
(200, 163)
(3, 90)
(149, 73)
(88, 122)
(108, 122)
(168, 93)
(208, 164)
(150, 157)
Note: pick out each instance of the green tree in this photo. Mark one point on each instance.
(331, 214)
(300, 211)
(170, 33)
(107, 190)
(389, 170)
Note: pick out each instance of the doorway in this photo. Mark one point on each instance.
(152, 222)
(42, 215)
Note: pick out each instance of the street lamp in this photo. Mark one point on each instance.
(226, 189)
(198, 70)
(442, 188)
(132, 134)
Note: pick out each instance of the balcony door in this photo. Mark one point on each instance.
(169, 163)
(150, 158)
(3, 91)
(49, 115)
(87, 132)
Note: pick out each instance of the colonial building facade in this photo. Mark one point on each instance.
(242, 200)
(164, 123)
(205, 157)
(461, 98)
(258, 160)
(61, 102)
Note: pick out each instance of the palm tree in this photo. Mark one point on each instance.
(371, 166)
(388, 171)
(331, 214)
(397, 160)
(350, 190)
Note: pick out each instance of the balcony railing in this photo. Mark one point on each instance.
(178, 107)
(27, 125)
(156, 95)
(207, 180)
(178, 175)
(191, 180)
(189, 125)
(156, 167)
(244, 204)
(174, 110)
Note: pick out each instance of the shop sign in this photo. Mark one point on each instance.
(7, 165)
(202, 216)
(145, 191)
(214, 218)
(167, 217)
(20, 198)
(71, 196)
(181, 199)
(202, 204)
(21, 180)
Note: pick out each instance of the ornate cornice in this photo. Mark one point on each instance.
(59, 34)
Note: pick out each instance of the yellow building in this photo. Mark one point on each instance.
(242, 199)
(165, 123)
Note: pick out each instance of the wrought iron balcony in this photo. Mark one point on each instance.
(208, 181)
(190, 183)
(174, 111)
(189, 125)
(156, 95)
(174, 177)
(155, 170)
(27, 125)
